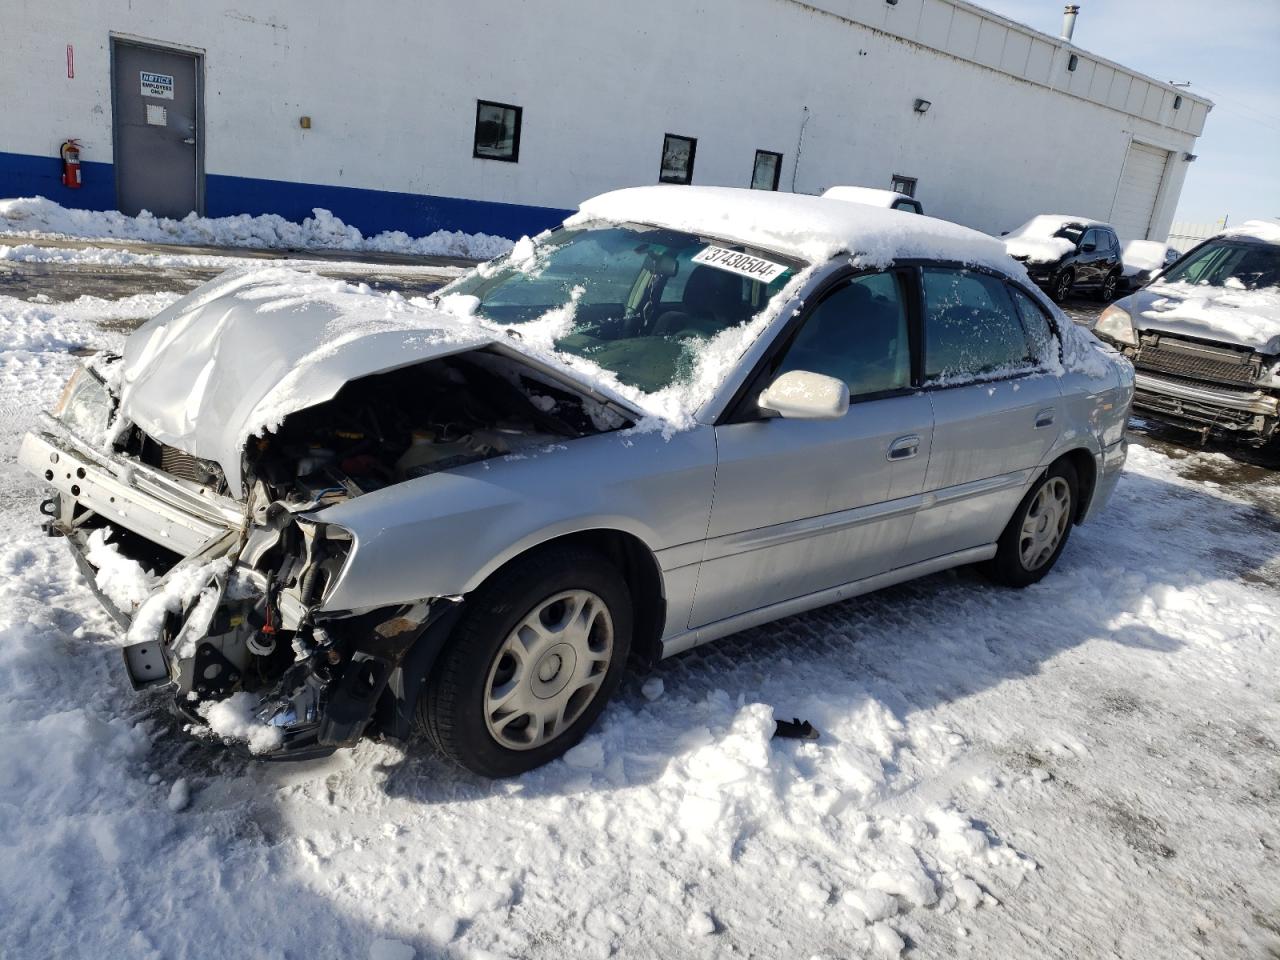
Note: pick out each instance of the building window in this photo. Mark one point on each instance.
(904, 185)
(767, 171)
(497, 131)
(677, 159)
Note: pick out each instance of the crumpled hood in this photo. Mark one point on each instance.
(245, 350)
(1249, 318)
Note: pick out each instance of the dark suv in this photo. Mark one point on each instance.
(1063, 254)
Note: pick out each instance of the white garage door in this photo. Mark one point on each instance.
(1139, 187)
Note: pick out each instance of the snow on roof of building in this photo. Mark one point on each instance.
(807, 227)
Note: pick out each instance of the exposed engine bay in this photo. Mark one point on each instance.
(235, 627)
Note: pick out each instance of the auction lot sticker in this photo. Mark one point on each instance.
(743, 264)
(157, 85)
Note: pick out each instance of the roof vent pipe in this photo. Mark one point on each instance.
(1069, 20)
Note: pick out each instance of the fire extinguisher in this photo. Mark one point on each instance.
(71, 164)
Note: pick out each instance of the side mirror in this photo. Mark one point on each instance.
(801, 395)
(1088, 247)
(1004, 233)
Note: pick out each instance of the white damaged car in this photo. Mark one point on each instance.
(324, 513)
(1205, 336)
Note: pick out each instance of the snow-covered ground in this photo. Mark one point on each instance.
(40, 217)
(1088, 768)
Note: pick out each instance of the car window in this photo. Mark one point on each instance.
(1113, 242)
(1223, 263)
(1092, 236)
(857, 334)
(971, 328)
(1036, 322)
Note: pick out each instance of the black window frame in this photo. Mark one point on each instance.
(777, 170)
(515, 139)
(908, 184)
(693, 153)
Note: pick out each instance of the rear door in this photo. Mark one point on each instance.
(805, 505)
(157, 120)
(995, 410)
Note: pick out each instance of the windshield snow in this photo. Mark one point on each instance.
(639, 302)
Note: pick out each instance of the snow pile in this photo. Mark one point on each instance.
(37, 216)
(235, 718)
(121, 579)
(1035, 239)
(180, 588)
(1230, 313)
(1140, 256)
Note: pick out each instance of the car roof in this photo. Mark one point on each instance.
(1264, 230)
(797, 225)
(873, 196)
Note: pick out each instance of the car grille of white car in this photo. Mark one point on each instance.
(1183, 358)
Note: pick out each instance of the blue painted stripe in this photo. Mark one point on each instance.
(370, 211)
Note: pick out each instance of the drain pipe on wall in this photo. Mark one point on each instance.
(795, 168)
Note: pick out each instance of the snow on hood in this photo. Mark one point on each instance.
(1039, 249)
(1035, 239)
(809, 228)
(245, 350)
(1230, 314)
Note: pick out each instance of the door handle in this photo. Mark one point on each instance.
(189, 140)
(1044, 418)
(904, 448)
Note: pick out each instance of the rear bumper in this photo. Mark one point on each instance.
(1226, 410)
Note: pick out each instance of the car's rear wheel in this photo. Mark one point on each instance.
(532, 663)
(1062, 284)
(1038, 530)
(1107, 293)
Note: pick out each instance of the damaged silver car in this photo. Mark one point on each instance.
(323, 513)
(1205, 337)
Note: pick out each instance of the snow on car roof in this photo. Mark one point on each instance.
(1267, 230)
(872, 196)
(807, 227)
(1047, 224)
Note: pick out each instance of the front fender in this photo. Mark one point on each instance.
(443, 534)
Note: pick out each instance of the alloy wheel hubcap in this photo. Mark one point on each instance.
(548, 670)
(1045, 523)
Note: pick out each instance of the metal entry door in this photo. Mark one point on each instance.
(157, 107)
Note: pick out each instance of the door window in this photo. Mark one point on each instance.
(857, 334)
(1036, 323)
(971, 328)
(1091, 237)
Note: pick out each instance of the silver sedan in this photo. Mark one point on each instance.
(685, 412)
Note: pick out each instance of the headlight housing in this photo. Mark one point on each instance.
(85, 406)
(1116, 325)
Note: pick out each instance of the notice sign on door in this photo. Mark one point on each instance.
(157, 85)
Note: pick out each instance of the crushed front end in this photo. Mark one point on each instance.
(222, 596)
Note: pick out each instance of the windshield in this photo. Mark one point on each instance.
(637, 301)
(1223, 263)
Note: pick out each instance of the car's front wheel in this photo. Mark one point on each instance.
(1038, 530)
(1109, 284)
(1062, 284)
(532, 663)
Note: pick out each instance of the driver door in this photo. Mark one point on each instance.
(804, 505)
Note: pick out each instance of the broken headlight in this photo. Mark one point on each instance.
(85, 406)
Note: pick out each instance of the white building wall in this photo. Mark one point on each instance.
(391, 90)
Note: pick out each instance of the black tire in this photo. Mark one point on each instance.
(1062, 284)
(1110, 284)
(452, 705)
(1008, 566)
